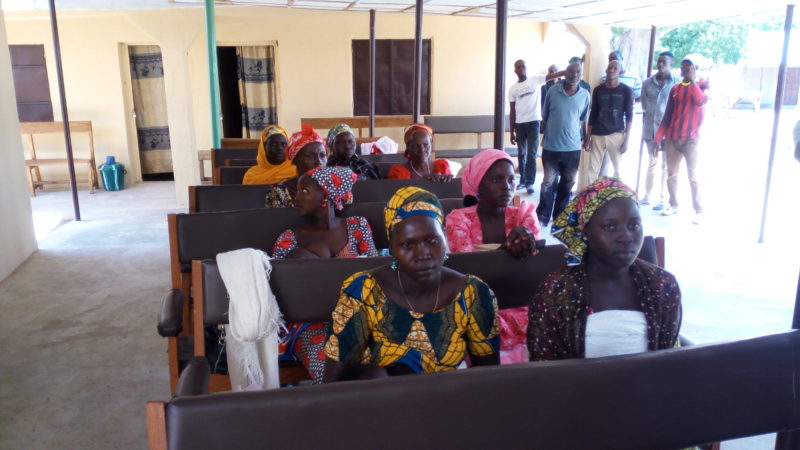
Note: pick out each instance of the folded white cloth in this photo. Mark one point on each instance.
(254, 320)
(383, 145)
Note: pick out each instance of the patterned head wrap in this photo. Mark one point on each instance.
(337, 130)
(262, 144)
(337, 182)
(411, 201)
(302, 138)
(477, 168)
(414, 128)
(568, 226)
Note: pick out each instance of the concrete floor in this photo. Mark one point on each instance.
(78, 336)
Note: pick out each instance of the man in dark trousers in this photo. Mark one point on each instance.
(608, 127)
(563, 116)
(680, 130)
(525, 117)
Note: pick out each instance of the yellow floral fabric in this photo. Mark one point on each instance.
(411, 201)
(368, 328)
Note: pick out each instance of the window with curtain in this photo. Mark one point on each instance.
(394, 76)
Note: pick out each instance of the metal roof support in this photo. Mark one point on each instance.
(649, 73)
(787, 30)
(64, 115)
(213, 73)
(500, 73)
(371, 72)
(418, 61)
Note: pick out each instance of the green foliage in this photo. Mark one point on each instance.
(721, 40)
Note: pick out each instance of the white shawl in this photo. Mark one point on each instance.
(254, 320)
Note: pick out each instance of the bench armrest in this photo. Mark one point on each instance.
(194, 378)
(170, 318)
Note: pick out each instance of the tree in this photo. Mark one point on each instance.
(720, 40)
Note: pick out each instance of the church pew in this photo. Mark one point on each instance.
(668, 399)
(513, 280)
(202, 235)
(213, 198)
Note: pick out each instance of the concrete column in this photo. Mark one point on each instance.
(17, 237)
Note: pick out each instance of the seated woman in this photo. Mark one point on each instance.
(418, 153)
(490, 222)
(342, 145)
(306, 150)
(272, 164)
(320, 193)
(605, 301)
(413, 315)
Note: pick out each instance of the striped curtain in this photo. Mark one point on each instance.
(257, 89)
(150, 105)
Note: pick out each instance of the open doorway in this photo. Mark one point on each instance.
(150, 112)
(248, 89)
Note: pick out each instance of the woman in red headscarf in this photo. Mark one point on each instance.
(306, 150)
(418, 138)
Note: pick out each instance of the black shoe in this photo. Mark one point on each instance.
(520, 187)
(529, 189)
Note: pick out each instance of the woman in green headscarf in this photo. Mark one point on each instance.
(448, 313)
(605, 301)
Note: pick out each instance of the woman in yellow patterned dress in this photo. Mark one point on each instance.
(413, 315)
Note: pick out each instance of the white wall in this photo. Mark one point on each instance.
(17, 238)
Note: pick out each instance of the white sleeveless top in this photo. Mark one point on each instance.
(615, 332)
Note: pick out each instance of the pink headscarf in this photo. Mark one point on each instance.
(477, 168)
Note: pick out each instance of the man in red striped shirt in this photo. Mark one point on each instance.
(679, 129)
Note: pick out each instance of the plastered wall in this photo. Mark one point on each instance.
(17, 239)
(314, 68)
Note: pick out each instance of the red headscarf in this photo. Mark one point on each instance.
(302, 138)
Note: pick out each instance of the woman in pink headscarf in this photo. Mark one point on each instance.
(490, 222)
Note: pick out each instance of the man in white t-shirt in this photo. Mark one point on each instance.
(525, 117)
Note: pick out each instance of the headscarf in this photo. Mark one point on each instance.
(335, 131)
(568, 226)
(305, 136)
(265, 172)
(411, 201)
(477, 168)
(414, 128)
(337, 182)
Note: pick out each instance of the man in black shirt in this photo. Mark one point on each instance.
(609, 126)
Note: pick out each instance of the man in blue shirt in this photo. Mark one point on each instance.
(655, 94)
(563, 116)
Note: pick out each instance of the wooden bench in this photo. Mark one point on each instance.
(476, 125)
(323, 124)
(668, 399)
(201, 236)
(33, 163)
(235, 197)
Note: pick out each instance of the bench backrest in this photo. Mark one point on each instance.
(668, 399)
(307, 289)
(383, 190)
(229, 175)
(463, 124)
(203, 235)
(323, 124)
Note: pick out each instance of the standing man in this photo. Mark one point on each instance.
(525, 117)
(553, 69)
(680, 131)
(563, 117)
(609, 126)
(655, 94)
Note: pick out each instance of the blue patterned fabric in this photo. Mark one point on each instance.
(257, 70)
(153, 138)
(259, 118)
(147, 65)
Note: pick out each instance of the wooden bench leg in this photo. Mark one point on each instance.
(30, 181)
(90, 179)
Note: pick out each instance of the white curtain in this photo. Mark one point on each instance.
(150, 105)
(257, 90)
